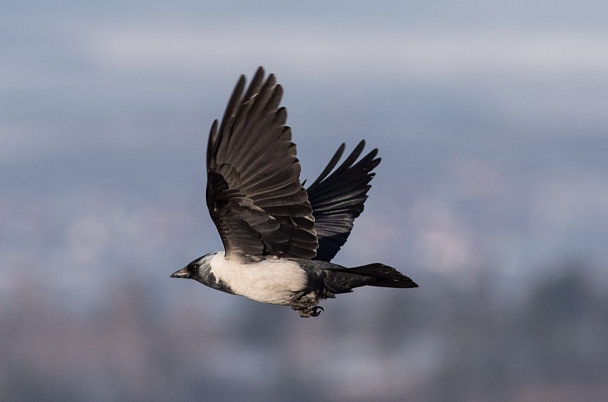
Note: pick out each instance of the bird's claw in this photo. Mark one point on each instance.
(313, 311)
(316, 311)
(305, 305)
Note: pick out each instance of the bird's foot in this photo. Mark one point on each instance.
(313, 311)
(306, 305)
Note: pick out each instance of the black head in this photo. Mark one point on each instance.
(190, 271)
(197, 269)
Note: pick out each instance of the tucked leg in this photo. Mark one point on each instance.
(313, 311)
(305, 304)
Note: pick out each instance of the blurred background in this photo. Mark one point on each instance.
(492, 122)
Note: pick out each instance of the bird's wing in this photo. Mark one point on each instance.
(254, 194)
(338, 198)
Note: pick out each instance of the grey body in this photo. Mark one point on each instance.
(279, 237)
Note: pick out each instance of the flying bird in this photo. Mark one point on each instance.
(279, 237)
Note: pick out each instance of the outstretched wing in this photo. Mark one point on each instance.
(254, 194)
(338, 198)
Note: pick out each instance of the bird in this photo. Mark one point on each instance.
(279, 237)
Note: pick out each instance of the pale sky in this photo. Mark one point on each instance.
(491, 120)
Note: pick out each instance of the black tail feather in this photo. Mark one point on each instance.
(343, 280)
(386, 277)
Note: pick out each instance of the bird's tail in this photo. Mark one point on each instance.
(344, 279)
(386, 277)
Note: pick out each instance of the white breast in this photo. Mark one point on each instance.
(271, 281)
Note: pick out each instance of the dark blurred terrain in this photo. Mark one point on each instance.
(436, 343)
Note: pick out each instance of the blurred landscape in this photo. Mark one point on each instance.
(492, 194)
(438, 344)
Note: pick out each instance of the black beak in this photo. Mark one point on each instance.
(182, 273)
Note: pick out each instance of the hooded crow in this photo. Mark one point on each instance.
(279, 237)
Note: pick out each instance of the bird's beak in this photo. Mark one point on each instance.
(182, 273)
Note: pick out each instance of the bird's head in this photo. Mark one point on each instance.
(189, 271)
(197, 269)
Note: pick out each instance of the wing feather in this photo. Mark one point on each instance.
(338, 197)
(254, 194)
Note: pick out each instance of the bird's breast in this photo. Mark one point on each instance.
(273, 280)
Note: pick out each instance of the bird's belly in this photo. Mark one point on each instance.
(273, 281)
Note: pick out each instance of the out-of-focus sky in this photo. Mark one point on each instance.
(491, 119)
